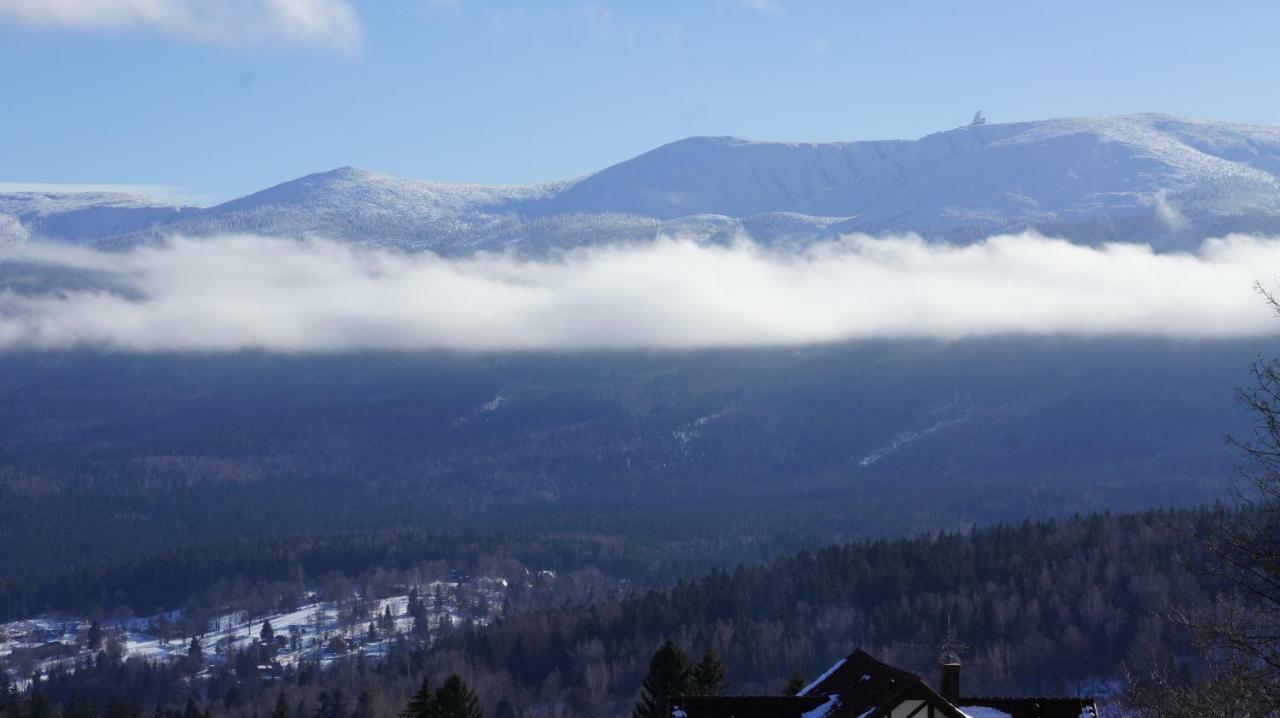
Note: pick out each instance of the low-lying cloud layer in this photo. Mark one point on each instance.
(239, 292)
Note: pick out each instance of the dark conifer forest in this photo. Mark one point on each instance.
(115, 468)
(1060, 606)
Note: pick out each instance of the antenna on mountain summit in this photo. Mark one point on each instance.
(978, 119)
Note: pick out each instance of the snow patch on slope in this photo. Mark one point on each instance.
(960, 413)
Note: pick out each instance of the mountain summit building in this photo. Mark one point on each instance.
(860, 686)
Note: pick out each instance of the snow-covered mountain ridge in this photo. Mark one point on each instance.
(76, 216)
(1166, 180)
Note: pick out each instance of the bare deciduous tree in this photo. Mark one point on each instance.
(1238, 637)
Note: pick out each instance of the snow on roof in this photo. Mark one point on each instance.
(983, 712)
(805, 691)
(822, 710)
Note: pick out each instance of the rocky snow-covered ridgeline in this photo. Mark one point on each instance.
(1165, 180)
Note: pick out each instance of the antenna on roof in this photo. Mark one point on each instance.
(951, 646)
(978, 119)
(949, 662)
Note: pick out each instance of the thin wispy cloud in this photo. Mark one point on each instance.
(331, 23)
(237, 292)
(1168, 213)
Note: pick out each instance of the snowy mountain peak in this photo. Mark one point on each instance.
(317, 184)
(1149, 177)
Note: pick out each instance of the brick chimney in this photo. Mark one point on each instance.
(949, 682)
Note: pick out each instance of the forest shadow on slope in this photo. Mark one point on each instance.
(707, 458)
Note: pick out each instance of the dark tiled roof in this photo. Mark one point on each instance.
(862, 684)
(851, 672)
(916, 690)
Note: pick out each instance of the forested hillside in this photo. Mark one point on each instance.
(1049, 607)
(716, 457)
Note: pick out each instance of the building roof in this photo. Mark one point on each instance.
(747, 706)
(859, 674)
(859, 686)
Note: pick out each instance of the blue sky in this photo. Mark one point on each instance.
(221, 104)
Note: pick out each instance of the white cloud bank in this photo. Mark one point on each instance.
(322, 22)
(237, 292)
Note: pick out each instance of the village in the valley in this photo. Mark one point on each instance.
(318, 630)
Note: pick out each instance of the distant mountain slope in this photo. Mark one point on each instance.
(1167, 180)
(79, 216)
(1061, 171)
(146, 451)
(364, 206)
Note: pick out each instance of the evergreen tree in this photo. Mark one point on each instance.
(303, 710)
(423, 703)
(668, 676)
(710, 677)
(505, 709)
(95, 635)
(268, 634)
(80, 706)
(39, 705)
(120, 708)
(282, 707)
(332, 705)
(795, 684)
(8, 694)
(455, 699)
(191, 711)
(364, 705)
(231, 698)
(422, 621)
(195, 655)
